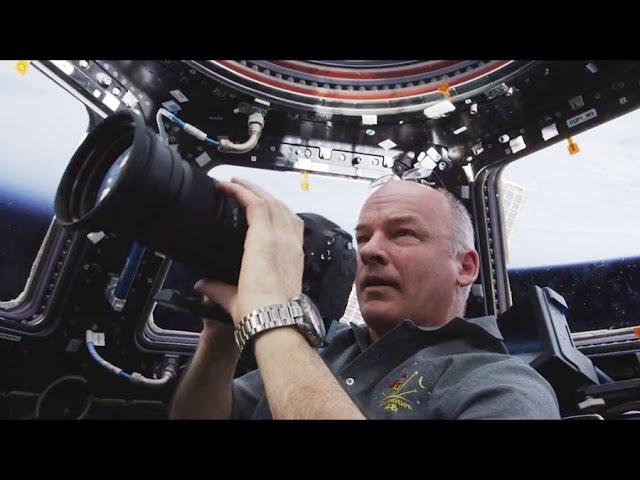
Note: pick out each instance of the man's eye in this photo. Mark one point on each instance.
(405, 233)
(361, 240)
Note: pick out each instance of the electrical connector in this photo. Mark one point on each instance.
(256, 124)
(168, 373)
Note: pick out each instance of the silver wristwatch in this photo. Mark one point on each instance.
(299, 312)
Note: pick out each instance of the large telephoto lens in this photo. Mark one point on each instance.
(124, 180)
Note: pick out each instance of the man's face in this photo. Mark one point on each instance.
(405, 266)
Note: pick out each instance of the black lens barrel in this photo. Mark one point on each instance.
(158, 200)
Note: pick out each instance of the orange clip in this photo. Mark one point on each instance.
(637, 331)
(445, 89)
(573, 146)
(305, 181)
(22, 66)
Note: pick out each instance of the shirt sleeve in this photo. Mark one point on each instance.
(247, 392)
(508, 389)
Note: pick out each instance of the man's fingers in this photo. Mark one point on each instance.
(262, 206)
(277, 208)
(239, 192)
(221, 293)
(257, 208)
(253, 188)
(281, 214)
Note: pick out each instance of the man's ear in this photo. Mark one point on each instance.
(469, 266)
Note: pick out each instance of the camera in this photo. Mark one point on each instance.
(123, 179)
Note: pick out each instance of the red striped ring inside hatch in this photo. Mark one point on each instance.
(355, 95)
(370, 74)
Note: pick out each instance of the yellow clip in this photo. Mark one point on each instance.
(573, 146)
(22, 66)
(305, 181)
(445, 89)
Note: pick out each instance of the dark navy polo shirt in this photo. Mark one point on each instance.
(461, 370)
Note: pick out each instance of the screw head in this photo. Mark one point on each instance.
(105, 80)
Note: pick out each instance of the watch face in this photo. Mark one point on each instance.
(312, 316)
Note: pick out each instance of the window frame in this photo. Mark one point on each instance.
(35, 311)
(594, 343)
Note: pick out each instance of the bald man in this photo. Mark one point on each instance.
(416, 357)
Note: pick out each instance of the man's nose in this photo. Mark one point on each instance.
(374, 250)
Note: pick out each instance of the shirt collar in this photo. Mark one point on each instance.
(486, 326)
(479, 327)
(362, 335)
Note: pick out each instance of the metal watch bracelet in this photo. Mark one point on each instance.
(266, 318)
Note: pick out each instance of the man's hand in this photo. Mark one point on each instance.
(205, 389)
(271, 272)
(297, 382)
(212, 328)
(273, 260)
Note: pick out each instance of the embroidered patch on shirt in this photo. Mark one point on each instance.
(402, 392)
